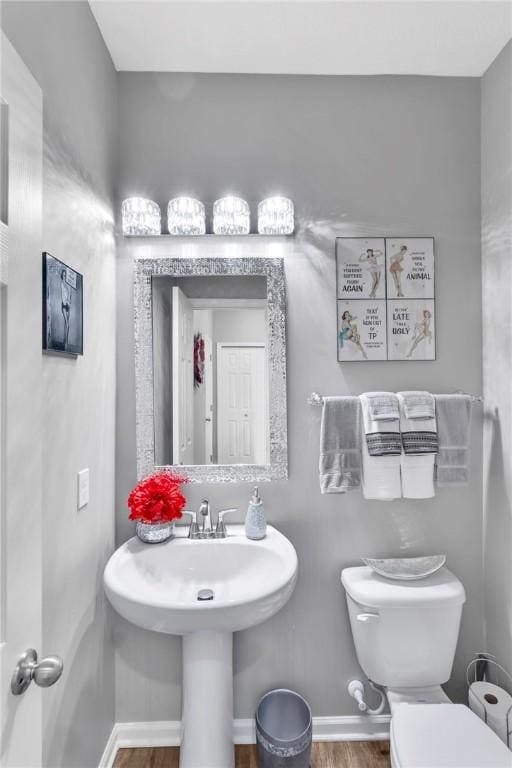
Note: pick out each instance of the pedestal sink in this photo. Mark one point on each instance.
(160, 586)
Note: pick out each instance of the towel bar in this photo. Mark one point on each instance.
(317, 399)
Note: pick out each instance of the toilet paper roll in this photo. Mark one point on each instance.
(494, 705)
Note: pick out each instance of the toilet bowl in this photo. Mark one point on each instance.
(405, 634)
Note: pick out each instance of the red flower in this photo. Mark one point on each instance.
(157, 498)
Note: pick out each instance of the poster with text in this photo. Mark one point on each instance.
(411, 329)
(360, 267)
(361, 330)
(410, 268)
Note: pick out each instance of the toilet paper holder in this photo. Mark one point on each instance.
(488, 699)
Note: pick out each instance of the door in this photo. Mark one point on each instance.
(208, 401)
(241, 404)
(182, 378)
(21, 403)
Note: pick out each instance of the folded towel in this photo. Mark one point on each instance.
(418, 405)
(340, 445)
(419, 435)
(382, 406)
(453, 414)
(420, 443)
(382, 434)
(381, 451)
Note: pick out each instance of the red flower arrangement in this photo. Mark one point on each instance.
(157, 498)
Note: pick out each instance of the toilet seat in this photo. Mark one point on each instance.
(444, 736)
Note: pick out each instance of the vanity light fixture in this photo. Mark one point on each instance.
(231, 216)
(140, 216)
(275, 216)
(185, 216)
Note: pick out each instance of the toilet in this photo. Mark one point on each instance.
(405, 634)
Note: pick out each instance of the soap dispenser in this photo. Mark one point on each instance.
(255, 522)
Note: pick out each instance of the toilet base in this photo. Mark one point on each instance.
(431, 694)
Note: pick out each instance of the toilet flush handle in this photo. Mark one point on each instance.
(366, 617)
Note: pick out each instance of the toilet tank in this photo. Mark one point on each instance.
(405, 632)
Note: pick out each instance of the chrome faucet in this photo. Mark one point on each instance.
(220, 529)
(205, 530)
(204, 512)
(193, 531)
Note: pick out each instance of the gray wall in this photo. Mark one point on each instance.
(359, 156)
(497, 352)
(236, 326)
(61, 45)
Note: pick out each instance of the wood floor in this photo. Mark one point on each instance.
(335, 754)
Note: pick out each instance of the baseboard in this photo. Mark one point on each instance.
(351, 728)
(167, 733)
(110, 751)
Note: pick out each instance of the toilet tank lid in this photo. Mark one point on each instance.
(368, 588)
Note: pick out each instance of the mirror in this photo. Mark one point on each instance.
(210, 370)
(210, 366)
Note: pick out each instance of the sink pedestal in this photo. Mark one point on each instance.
(157, 587)
(207, 716)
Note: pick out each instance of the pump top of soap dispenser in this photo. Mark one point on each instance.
(255, 498)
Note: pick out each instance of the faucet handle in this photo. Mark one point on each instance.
(220, 530)
(193, 531)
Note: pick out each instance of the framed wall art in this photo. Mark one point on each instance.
(362, 330)
(410, 285)
(411, 329)
(62, 307)
(385, 294)
(361, 298)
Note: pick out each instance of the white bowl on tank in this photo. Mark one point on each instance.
(405, 633)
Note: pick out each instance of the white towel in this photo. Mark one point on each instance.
(382, 406)
(381, 450)
(419, 439)
(418, 405)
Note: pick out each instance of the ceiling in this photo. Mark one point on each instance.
(439, 37)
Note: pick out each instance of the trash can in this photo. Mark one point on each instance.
(283, 730)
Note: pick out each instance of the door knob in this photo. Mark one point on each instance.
(44, 673)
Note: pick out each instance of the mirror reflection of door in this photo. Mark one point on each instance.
(182, 377)
(208, 401)
(241, 396)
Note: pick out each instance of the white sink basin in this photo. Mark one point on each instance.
(156, 586)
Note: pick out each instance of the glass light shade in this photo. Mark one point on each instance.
(231, 216)
(140, 216)
(185, 216)
(275, 216)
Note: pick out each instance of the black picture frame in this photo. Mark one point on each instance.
(63, 308)
(409, 306)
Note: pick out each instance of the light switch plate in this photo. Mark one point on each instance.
(83, 488)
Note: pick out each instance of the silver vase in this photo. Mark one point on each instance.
(154, 533)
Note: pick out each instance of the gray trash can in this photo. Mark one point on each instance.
(283, 730)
